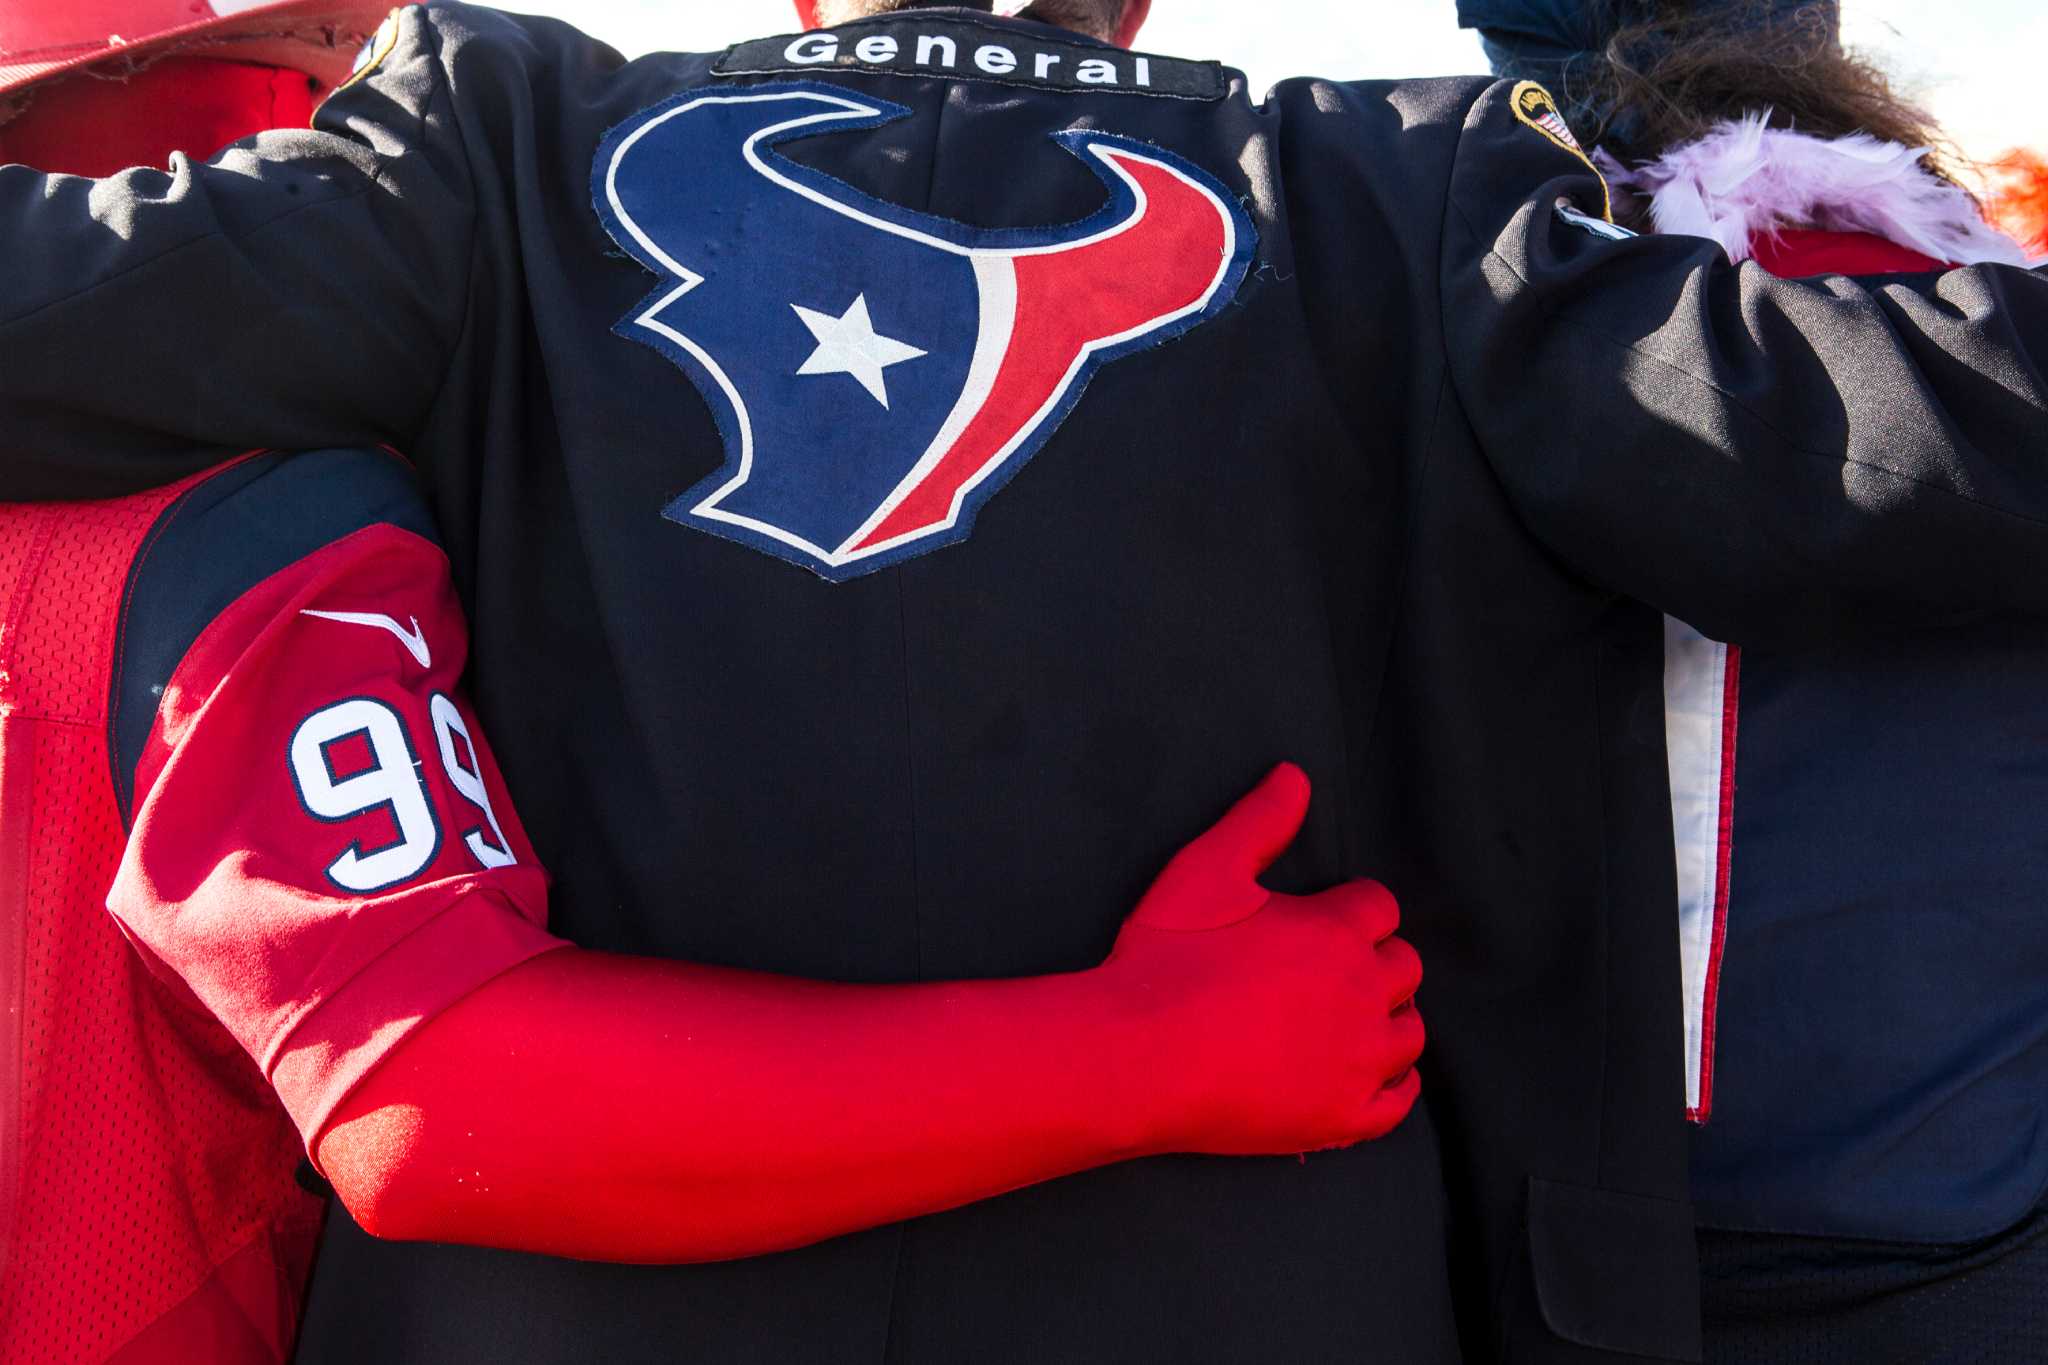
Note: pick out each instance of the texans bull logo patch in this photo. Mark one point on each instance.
(877, 373)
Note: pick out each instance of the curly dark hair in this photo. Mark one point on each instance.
(1670, 79)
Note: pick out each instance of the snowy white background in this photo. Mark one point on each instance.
(1977, 62)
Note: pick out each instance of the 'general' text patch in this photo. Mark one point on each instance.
(965, 50)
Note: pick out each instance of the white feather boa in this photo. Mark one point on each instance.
(1744, 180)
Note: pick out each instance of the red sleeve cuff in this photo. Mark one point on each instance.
(328, 1053)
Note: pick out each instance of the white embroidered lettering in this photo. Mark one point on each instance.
(1144, 71)
(1046, 62)
(813, 49)
(997, 61)
(1096, 72)
(876, 49)
(930, 45)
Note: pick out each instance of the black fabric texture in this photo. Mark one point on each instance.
(223, 537)
(1775, 1300)
(1405, 512)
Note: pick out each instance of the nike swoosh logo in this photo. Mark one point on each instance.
(414, 640)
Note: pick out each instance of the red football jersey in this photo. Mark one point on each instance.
(319, 832)
(147, 1206)
(322, 851)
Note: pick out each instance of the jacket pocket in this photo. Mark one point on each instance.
(1615, 1272)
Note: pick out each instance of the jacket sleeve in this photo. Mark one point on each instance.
(1764, 459)
(301, 290)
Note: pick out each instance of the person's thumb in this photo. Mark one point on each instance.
(1214, 880)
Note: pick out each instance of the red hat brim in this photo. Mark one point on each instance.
(318, 37)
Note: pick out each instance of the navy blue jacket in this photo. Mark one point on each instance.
(1880, 1036)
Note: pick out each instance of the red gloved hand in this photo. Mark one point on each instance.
(1284, 1023)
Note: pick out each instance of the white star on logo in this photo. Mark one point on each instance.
(850, 345)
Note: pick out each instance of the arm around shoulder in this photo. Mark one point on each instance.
(1766, 459)
(302, 290)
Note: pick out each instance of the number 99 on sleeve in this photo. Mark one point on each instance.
(357, 757)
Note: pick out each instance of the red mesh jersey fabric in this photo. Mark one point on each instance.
(151, 1180)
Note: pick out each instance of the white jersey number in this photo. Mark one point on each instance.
(468, 779)
(394, 783)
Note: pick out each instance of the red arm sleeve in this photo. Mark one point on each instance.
(625, 1109)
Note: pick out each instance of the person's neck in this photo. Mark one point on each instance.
(883, 7)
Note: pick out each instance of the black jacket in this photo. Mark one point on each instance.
(1389, 499)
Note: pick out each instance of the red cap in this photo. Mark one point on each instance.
(44, 38)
